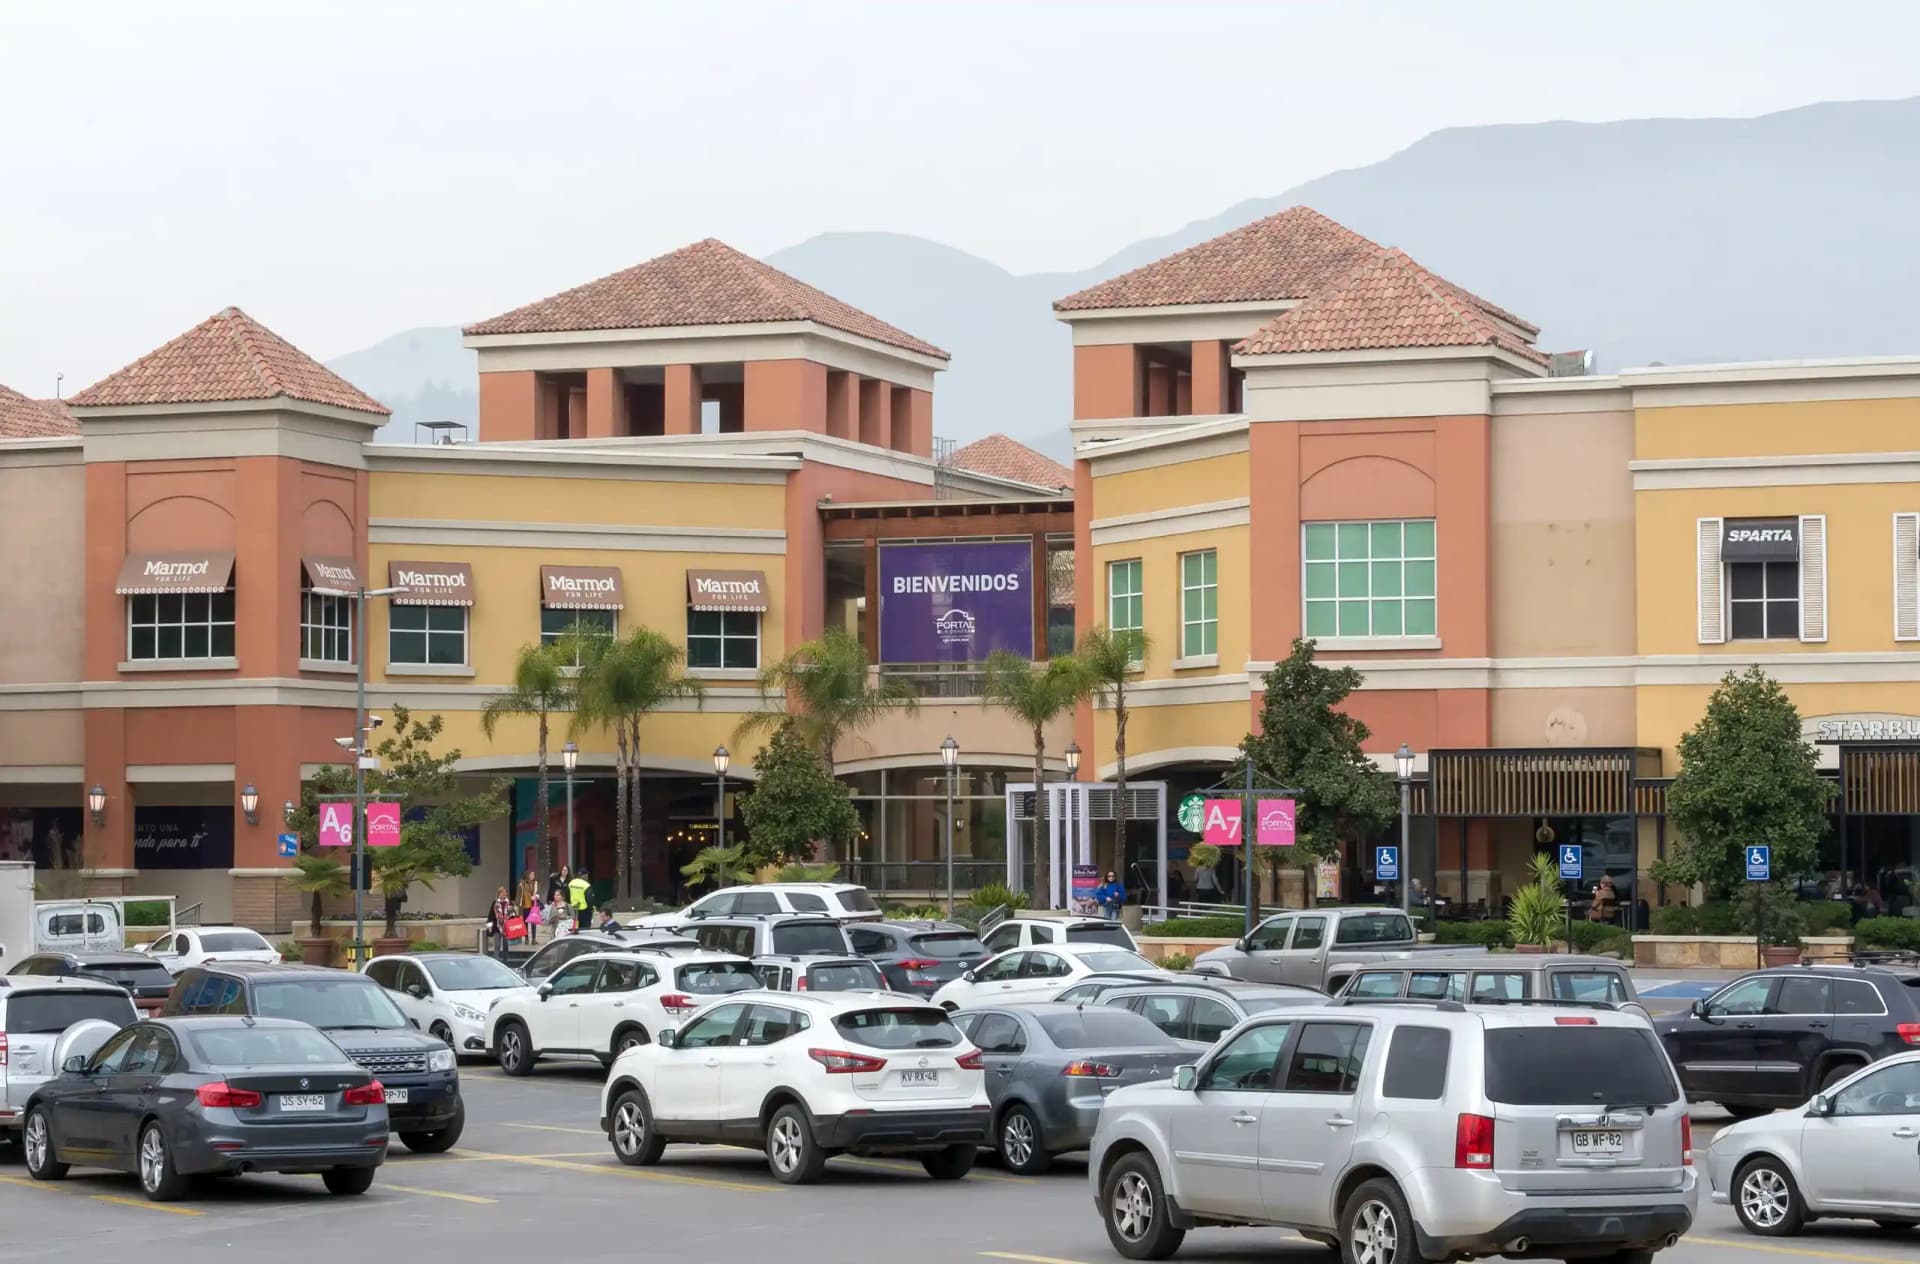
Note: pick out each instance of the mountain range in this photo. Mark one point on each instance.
(1787, 236)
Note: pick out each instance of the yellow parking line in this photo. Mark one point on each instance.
(140, 1203)
(440, 1193)
(1028, 1259)
(617, 1169)
(1807, 1253)
(579, 1132)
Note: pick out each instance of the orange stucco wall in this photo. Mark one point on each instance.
(1106, 381)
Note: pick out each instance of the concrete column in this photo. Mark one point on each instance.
(606, 405)
(876, 403)
(920, 422)
(508, 405)
(267, 753)
(843, 400)
(683, 399)
(108, 846)
(900, 419)
(786, 395)
(1210, 366)
(1106, 381)
(1159, 390)
(1182, 394)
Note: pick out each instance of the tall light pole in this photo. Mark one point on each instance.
(361, 758)
(570, 759)
(1403, 758)
(950, 756)
(720, 761)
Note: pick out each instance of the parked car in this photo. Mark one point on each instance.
(1036, 974)
(1090, 987)
(77, 926)
(146, 980)
(1523, 1131)
(44, 1020)
(1776, 1037)
(207, 944)
(418, 1073)
(173, 1098)
(1320, 948)
(556, 953)
(1050, 1067)
(1200, 1010)
(843, 901)
(602, 1004)
(776, 934)
(804, 1076)
(1026, 932)
(819, 974)
(917, 956)
(1850, 1154)
(446, 994)
(1495, 978)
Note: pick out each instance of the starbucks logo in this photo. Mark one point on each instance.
(1192, 813)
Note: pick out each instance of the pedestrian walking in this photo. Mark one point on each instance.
(528, 896)
(497, 917)
(1110, 896)
(577, 890)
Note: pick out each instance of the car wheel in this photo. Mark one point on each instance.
(795, 1157)
(348, 1180)
(443, 1033)
(1746, 1112)
(515, 1048)
(631, 1038)
(1019, 1143)
(36, 1140)
(158, 1179)
(1377, 1228)
(951, 1163)
(1766, 1199)
(1136, 1212)
(441, 1139)
(635, 1143)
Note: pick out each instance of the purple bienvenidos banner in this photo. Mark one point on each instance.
(955, 603)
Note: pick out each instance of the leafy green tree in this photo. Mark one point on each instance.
(796, 802)
(831, 692)
(621, 683)
(1308, 745)
(1747, 778)
(1111, 659)
(1036, 696)
(542, 685)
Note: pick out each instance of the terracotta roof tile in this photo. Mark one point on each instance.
(1389, 301)
(707, 283)
(998, 456)
(228, 356)
(23, 418)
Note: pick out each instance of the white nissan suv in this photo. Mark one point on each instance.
(805, 1076)
(602, 1004)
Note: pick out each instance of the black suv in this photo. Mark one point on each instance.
(918, 956)
(1776, 1037)
(146, 980)
(418, 1071)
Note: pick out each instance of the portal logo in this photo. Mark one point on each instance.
(955, 627)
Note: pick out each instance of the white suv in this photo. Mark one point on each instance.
(1407, 1132)
(602, 1004)
(843, 901)
(44, 1020)
(804, 1076)
(1026, 931)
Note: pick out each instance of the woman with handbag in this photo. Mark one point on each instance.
(497, 918)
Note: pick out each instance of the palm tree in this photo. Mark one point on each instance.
(542, 684)
(1036, 696)
(621, 683)
(1109, 657)
(322, 877)
(830, 692)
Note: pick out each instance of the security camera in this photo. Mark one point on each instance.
(374, 722)
(344, 743)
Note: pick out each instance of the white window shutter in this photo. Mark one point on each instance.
(1906, 577)
(1813, 577)
(1712, 602)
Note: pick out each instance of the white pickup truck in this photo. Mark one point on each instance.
(28, 925)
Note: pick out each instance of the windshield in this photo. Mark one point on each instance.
(715, 978)
(1097, 933)
(847, 976)
(1103, 1028)
(1116, 960)
(950, 946)
(1374, 928)
(858, 900)
(349, 1001)
(472, 974)
(238, 1046)
(50, 1013)
(232, 941)
(131, 973)
(803, 939)
(899, 1028)
(1566, 1066)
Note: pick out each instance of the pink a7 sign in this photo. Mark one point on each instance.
(1274, 823)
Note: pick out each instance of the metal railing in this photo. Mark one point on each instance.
(938, 680)
(922, 876)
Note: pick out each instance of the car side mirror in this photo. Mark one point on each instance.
(1699, 1010)
(667, 1038)
(546, 990)
(1243, 945)
(417, 991)
(1820, 1105)
(75, 1065)
(1186, 1078)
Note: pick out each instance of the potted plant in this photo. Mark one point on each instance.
(319, 876)
(1770, 912)
(1539, 911)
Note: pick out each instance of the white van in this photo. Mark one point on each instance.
(77, 926)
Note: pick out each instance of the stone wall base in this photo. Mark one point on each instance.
(266, 904)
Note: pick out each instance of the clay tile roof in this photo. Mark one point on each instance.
(707, 283)
(1284, 256)
(1389, 301)
(23, 418)
(227, 357)
(998, 456)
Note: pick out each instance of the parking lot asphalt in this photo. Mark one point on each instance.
(534, 1178)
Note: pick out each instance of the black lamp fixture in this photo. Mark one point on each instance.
(1073, 760)
(97, 804)
(250, 803)
(721, 761)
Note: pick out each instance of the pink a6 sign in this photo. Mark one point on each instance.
(1274, 828)
(336, 824)
(383, 824)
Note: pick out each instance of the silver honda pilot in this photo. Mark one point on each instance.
(1403, 1132)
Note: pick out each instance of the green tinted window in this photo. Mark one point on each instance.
(1199, 604)
(1368, 579)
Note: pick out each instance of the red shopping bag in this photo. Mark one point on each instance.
(516, 928)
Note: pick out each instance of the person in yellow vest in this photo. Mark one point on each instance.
(577, 889)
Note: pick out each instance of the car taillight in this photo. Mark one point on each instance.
(1473, 1142)
(917, 963)
(1686, 1141)
(800, 984)
(370, 1094)
(1575, 1022)
(1909, 1032)
(840, 1062)
(1093, 1070)
(220, 1093)
(975, 1061)
(3, 1048)
(674, 1000)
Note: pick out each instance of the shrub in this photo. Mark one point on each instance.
(995, 894)
(1676, 919)
(915, 913)
(1176, 961)
(1537, 914)
(289, 951)
(1771, 911)
(1826, 917)
(1888, 932)
(1483, 934)
(1601, 937)
(1203, 856)
(145, 913)
(1718, 918)
(423, 945)
(1222, 927)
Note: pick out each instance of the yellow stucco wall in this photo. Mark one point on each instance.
(681, 740)
(1163, 729)
(1160, 593)
(1174, 486)
(631, 502)
(1667, 711)
(1783, 429)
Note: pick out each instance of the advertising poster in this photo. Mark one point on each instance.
(1220, 822)
(1327, 883)
(182, 838)
(955, 603)
(383, 824)
(336, 824)
(1086, 880)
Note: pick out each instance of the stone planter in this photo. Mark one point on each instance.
(1154, 949)
(1696, 952)
(389, 945)
(1775, 956)
(1535, 950)
(1815, 949)
(460, 934)
(316, 952)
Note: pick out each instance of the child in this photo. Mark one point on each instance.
(533, 922)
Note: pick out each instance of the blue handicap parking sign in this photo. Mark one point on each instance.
(289, 844)
(1570, 862)
(1759, 864)
(1386, 863)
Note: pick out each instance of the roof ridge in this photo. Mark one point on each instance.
(774, 283)
(1451, 296)
(239, 327)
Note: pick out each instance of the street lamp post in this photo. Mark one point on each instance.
(950, 756)
(570, 759)
(721, 759)
(1403, 758)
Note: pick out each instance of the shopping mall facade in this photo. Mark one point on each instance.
(1287, 431)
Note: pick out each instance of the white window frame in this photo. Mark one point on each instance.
(722, 638)
(317, 632)
(429, 635)
(209, 623)
(576, 616)
(1341, 635)
(1203, 653)
(1906, 577)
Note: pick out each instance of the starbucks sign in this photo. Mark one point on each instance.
(1874, 727)
(1192, 813)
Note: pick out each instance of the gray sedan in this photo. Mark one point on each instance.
(174, 1098)
(1049, 1066)
(1201, 1011)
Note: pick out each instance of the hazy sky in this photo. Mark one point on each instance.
(346, 170)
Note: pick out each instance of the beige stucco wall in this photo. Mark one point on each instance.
(42, 573)
(1563, 537)
(1563, 717)
(986, 735)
